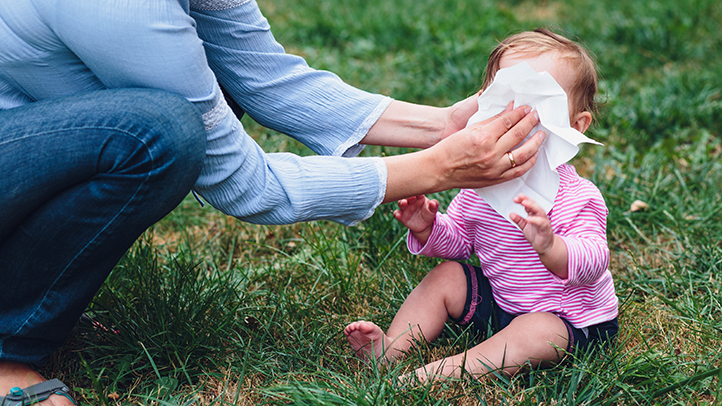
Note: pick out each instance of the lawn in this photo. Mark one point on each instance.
(207, 310)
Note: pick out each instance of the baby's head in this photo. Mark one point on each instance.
(568, 63)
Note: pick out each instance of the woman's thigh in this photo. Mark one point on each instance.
(49, 147)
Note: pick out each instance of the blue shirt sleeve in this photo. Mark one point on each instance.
(155, 45)
(280, 90)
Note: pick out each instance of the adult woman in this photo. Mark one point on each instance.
(60, 48)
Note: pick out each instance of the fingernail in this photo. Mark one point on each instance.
(542, 135)
(536, 115)
(527, 110)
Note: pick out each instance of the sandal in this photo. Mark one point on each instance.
(36, 393)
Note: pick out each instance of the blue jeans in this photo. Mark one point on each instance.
(81, 179)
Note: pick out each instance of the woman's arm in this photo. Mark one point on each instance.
(154, 45)
(316, 107)
(160, 49)
(412, 125)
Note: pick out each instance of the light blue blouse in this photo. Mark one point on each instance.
(52, 48)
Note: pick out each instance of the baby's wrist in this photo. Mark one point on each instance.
(423, 236)
(555, 258)
(548, 248)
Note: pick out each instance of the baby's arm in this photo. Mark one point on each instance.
(538, 231)
(418, 214)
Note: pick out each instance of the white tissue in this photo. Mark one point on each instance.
(541, 92)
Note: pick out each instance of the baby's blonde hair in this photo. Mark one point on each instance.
(540, 41)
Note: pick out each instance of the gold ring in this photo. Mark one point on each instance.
(511, 159)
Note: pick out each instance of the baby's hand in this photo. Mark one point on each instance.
(536, 227)
(417, 214)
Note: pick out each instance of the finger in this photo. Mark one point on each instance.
(464, 109)
(499, 125)
(518, 170)
(419, 200)
(519, 130)
(523, 201)
(417, 204)
(519, 220)
(433, 207)
(519, 198)
(529, 148)
(509, 107)
(520, 156)
(532, 207)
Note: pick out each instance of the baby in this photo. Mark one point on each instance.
(543, 288)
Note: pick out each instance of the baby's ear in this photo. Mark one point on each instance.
(582, 121)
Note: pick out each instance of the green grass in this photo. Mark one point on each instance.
(207, 310)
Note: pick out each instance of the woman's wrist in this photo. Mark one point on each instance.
(408, 125)
(414, 174)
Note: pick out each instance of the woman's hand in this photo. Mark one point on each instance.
(459, 114)
(471, 158)
(478, 155)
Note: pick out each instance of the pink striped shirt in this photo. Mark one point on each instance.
(519, 281)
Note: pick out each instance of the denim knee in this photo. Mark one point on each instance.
(173, 130)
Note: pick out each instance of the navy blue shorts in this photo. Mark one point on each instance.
(485, 317)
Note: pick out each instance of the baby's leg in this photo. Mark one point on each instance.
(440, 295)
(533, 337)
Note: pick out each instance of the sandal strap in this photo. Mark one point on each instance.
(35, 393)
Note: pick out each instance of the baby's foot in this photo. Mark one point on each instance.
(367, 340)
